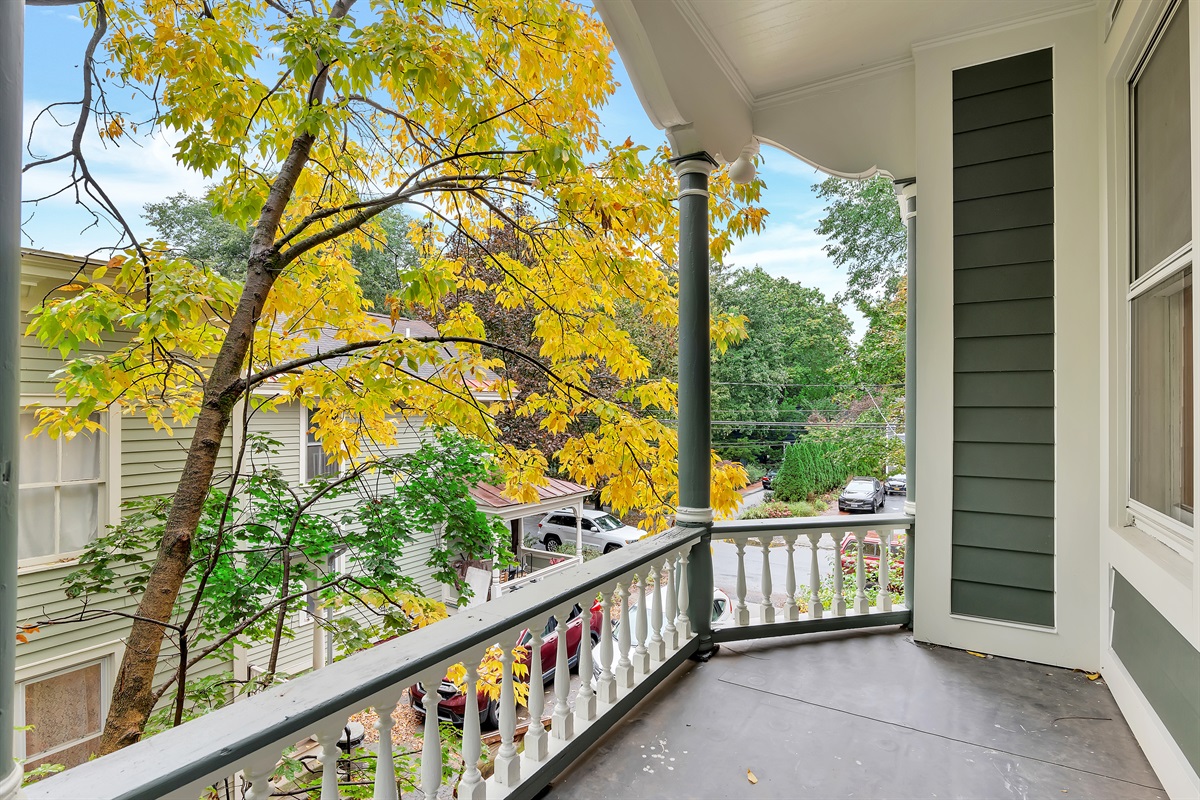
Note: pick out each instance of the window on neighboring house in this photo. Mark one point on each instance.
(316, 461)
(1161, 476)
(65, 710)
(62, 492)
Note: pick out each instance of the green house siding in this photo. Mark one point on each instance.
(1161, 662)
(1002, 563)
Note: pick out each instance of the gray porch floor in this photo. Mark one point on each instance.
(866, 715)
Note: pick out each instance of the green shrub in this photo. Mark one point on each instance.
(779, 510)
(810, 468)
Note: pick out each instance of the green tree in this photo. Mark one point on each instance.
(780, 373)
(865, 235)
(199, 234)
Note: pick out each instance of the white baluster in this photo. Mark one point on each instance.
(624, 664)
(791, 612)
(535, 738)
(431, 742)
(585, 698)
(768, 607)
(684, 623)
(641, 653)
(508, 766)
(861, 605)
(883, 602)
(839, 581)
(815, 608)
(256, 771)
(657, 647)
(561, 726)
(328, 735)
(741, 612)
(471, 787)
(606, 687)
(385, 764)
(670, 632)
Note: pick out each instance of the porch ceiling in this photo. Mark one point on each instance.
(718, 75)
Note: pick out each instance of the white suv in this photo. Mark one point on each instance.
(601, 530)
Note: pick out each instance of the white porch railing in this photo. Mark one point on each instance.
(804, 538)
(648, 584)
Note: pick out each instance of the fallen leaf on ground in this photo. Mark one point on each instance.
(751, 777)
(1092, 676)
(977, 655)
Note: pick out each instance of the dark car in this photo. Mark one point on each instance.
(897, 484)
(452, 704)
(861, 494)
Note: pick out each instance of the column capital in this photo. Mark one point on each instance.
(700, 163)
(906, 196)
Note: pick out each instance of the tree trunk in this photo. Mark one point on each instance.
(133, 692)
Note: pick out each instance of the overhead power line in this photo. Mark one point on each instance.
(812, 385)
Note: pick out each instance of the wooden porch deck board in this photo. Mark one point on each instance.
(866, 714)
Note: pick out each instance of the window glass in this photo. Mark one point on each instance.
(35, 529)
(81, 457)
(608, 522)
(39, 454)
(587, 525)
(1162, 149)
(64, 711)
(317, 462)
(1161, 423)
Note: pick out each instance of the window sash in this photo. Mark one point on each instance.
(55, 447)
(1177, 446)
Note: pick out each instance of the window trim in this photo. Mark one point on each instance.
(1180, 537)
(109, 508)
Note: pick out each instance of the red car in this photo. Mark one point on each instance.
(452, 704)
(871, 557)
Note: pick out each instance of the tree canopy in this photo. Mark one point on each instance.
(313, 120)
(781, 372)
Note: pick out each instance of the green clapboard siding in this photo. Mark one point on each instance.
(1005, 282)
(1005, 389)
(1161, 662)
(1003, 522)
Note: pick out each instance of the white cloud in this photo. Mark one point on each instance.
(131, 175)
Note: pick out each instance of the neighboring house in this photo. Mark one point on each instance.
(1054, 149)
(71, 490)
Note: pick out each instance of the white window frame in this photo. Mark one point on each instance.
(105, 660)
(109, 509)
(1179, 536)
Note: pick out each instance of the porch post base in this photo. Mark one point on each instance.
(10, 785)
(704, 656)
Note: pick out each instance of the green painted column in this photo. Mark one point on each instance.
(695, 390)
(12, 23)
(907, 192)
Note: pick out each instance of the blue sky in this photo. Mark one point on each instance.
(134, 176)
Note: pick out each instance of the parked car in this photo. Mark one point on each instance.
(601, 530)
(861, 494)
(849, 556)
(770, 476)
(897, 484)
(722, 611)
(452, 704)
